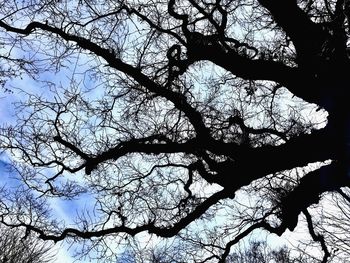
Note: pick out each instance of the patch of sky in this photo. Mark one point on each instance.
(8, 177)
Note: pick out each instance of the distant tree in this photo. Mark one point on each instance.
(16, 247)
(260, 252)
(197, 122)
(254, 251)
(160, 253)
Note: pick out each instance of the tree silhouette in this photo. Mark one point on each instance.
(16, 247)
(259, 252)
(194, 121)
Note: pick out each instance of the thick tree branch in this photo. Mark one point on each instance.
(307, 36)
(316, 237)
(238, 170)
(299, 81)
(144, 145)
(327, 178)
(71, 146)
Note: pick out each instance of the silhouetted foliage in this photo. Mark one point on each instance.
(186, 122)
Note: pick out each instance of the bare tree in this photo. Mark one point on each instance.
(260, 252)
(252, 251)
(194, 121)
(16, 247)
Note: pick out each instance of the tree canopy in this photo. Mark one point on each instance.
(190, 123)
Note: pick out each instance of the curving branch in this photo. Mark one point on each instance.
(317, 237)
(150, 227)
